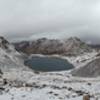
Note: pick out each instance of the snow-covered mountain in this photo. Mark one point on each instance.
(71, 46)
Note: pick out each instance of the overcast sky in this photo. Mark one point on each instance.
(28, 19)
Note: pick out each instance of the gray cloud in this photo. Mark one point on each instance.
(27, 19)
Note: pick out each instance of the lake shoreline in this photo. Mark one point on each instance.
(48, 63)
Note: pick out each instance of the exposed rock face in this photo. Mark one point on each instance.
(72, 46)
(92, 69)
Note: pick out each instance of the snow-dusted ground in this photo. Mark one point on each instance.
(53, 85)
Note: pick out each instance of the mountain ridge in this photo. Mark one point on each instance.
(71, 46)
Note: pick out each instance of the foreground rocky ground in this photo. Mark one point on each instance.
(50, 86)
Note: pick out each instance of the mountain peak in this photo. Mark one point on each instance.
(74, 40)
(3, 43)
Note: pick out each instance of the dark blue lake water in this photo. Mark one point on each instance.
(48, 64)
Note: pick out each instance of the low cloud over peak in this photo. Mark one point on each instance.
(24, 19)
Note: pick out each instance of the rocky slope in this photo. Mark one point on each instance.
(71, 46)
(92, 69)
(11, 63)
(9, 57)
